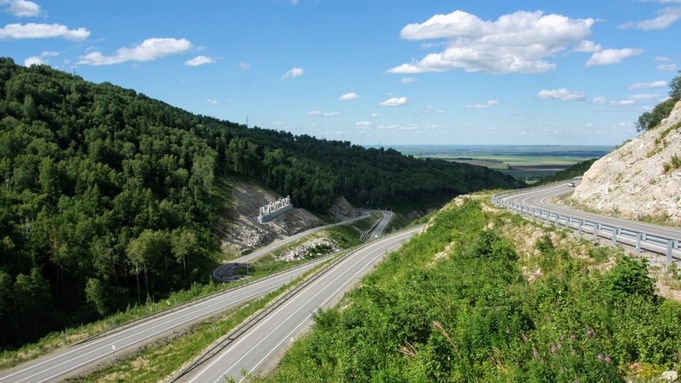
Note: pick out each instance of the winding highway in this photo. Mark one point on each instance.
(540, 198)
(258, 347)
(103, 348)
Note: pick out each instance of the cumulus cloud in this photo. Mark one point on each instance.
(407, 80)
(647, 85)
(211, 102)
(199, 60)
(149, 50)
(42, 31)
(665, 18)
(41, 59)
(517, 42)
(293, 73)
(21, 8)
(395, 101)
(349, 97)
(483, 106)
(588, 47)
(363, 123)
(612, 56)
(561, 94)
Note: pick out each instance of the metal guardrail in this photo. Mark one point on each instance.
(618, 235)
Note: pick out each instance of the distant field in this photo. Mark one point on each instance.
(528, 163)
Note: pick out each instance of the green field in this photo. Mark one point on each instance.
(529, 163)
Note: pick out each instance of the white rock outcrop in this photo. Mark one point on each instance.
(640, 179)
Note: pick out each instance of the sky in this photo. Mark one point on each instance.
(373, 72)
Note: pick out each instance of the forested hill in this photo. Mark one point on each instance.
(109, 197)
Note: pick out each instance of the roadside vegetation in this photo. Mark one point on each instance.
(485, 295)
(343, 237)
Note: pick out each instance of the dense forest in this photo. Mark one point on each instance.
(109, 198)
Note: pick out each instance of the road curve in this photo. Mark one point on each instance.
(261, 343)
(540, 198)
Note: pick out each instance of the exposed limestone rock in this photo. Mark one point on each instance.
(343, 210)
(243, 232)
(639, 179)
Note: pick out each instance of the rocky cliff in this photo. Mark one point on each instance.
(641, 179)
(242, 232)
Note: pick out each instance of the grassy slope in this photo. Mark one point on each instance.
(484, 295)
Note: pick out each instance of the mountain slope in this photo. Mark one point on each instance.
(109, 198)
(642, 178)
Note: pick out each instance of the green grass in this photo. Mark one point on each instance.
(484, 295)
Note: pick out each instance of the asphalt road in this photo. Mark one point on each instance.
(540, 198)
(258, 346)
(103, 349)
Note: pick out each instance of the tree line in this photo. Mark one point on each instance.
(650, 120)
(109, 198)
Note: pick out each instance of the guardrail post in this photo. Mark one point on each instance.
(579, 227)
(670, 248)
(615, 232)
(639, 238)
(597, 228)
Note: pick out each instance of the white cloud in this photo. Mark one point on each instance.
(349, 97)
(41, 59)
(320, 113)
(561, 94)
(517, 42)
(483, 106)
(647, 85)
(149, 50)
(363, 123)
(21, 8)
(643, 96)
(588, 47)
(666, 67)
(612, 56)
(665, 18)
(42, 31)
(631, 100)
(244, 66)
(34, 60)
(395, 101)
(431, 110)
(211, 102)
(376, 115)
(294, 72)
(407, 80)
(199, 60)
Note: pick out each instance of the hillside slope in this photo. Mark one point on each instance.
(109, 198)
(641, 179)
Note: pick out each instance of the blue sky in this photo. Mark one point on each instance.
(393, 72)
